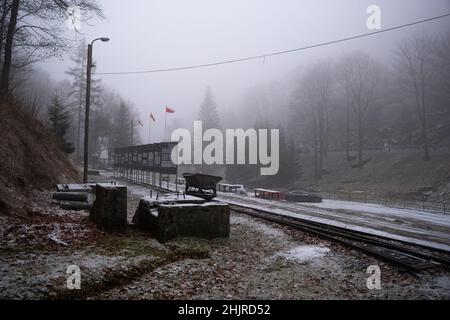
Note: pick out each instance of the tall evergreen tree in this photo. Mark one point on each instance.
(59, 122)
(78, 93)
(208, 113)
(122, 126)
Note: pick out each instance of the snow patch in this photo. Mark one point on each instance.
(306, 253)
(263, 228)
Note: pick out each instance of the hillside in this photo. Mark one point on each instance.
(29, 160)
(395, 172)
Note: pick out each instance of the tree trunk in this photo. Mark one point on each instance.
(347, 130)
(2, 26)
(321, 141)
(360, 140)
(316, 152)
(4, 86)
(426, 146)
(424, 119)
(325, 151)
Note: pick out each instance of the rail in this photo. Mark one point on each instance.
(409, 256)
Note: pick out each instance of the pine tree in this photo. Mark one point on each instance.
(122, 126)
(59, 122)
(208, 113)
(78, 93)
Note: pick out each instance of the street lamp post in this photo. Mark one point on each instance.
(88, 105)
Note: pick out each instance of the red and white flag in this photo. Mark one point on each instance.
(152, 117)
(168, 110)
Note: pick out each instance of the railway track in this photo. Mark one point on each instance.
(411, 257)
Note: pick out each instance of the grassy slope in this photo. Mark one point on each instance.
(29, 159)
(395, 172)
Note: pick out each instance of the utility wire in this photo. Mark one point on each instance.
(278, 52)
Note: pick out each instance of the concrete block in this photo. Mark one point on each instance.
(109, 211)
(167, 221)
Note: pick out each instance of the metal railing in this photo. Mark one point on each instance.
(397, 202)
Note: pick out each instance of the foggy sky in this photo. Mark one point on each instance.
(150, 34)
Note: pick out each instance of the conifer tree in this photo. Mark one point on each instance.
(208, 113)
(59, 122)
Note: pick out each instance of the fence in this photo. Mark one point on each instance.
(148, 164)
(402, 202)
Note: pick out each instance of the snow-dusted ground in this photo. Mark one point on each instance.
(415, 226)
(429, 229)
(260, 260)
(263, 260)
(378, 209)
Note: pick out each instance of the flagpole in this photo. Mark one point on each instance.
(149, 129)
(132, 131)
(165, 124)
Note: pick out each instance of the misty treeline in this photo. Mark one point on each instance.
(208, 113)
(355, 103)
(351, 104)
(33, 31)
(113, 119)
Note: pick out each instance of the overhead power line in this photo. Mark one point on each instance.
(262, 56)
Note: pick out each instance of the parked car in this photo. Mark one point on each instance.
(303, 196)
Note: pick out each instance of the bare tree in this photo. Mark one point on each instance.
(32, 88)
(4, 7)
(313, 99)
(7, 58)
(442, 69)
(415, 69)
(363, 77)
(344, 72)
(34, 32)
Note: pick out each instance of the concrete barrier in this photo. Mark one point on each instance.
(166, 221)
(109, 211)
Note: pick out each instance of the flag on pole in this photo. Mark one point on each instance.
(152, 117)
(140, 123)
(168, 110)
